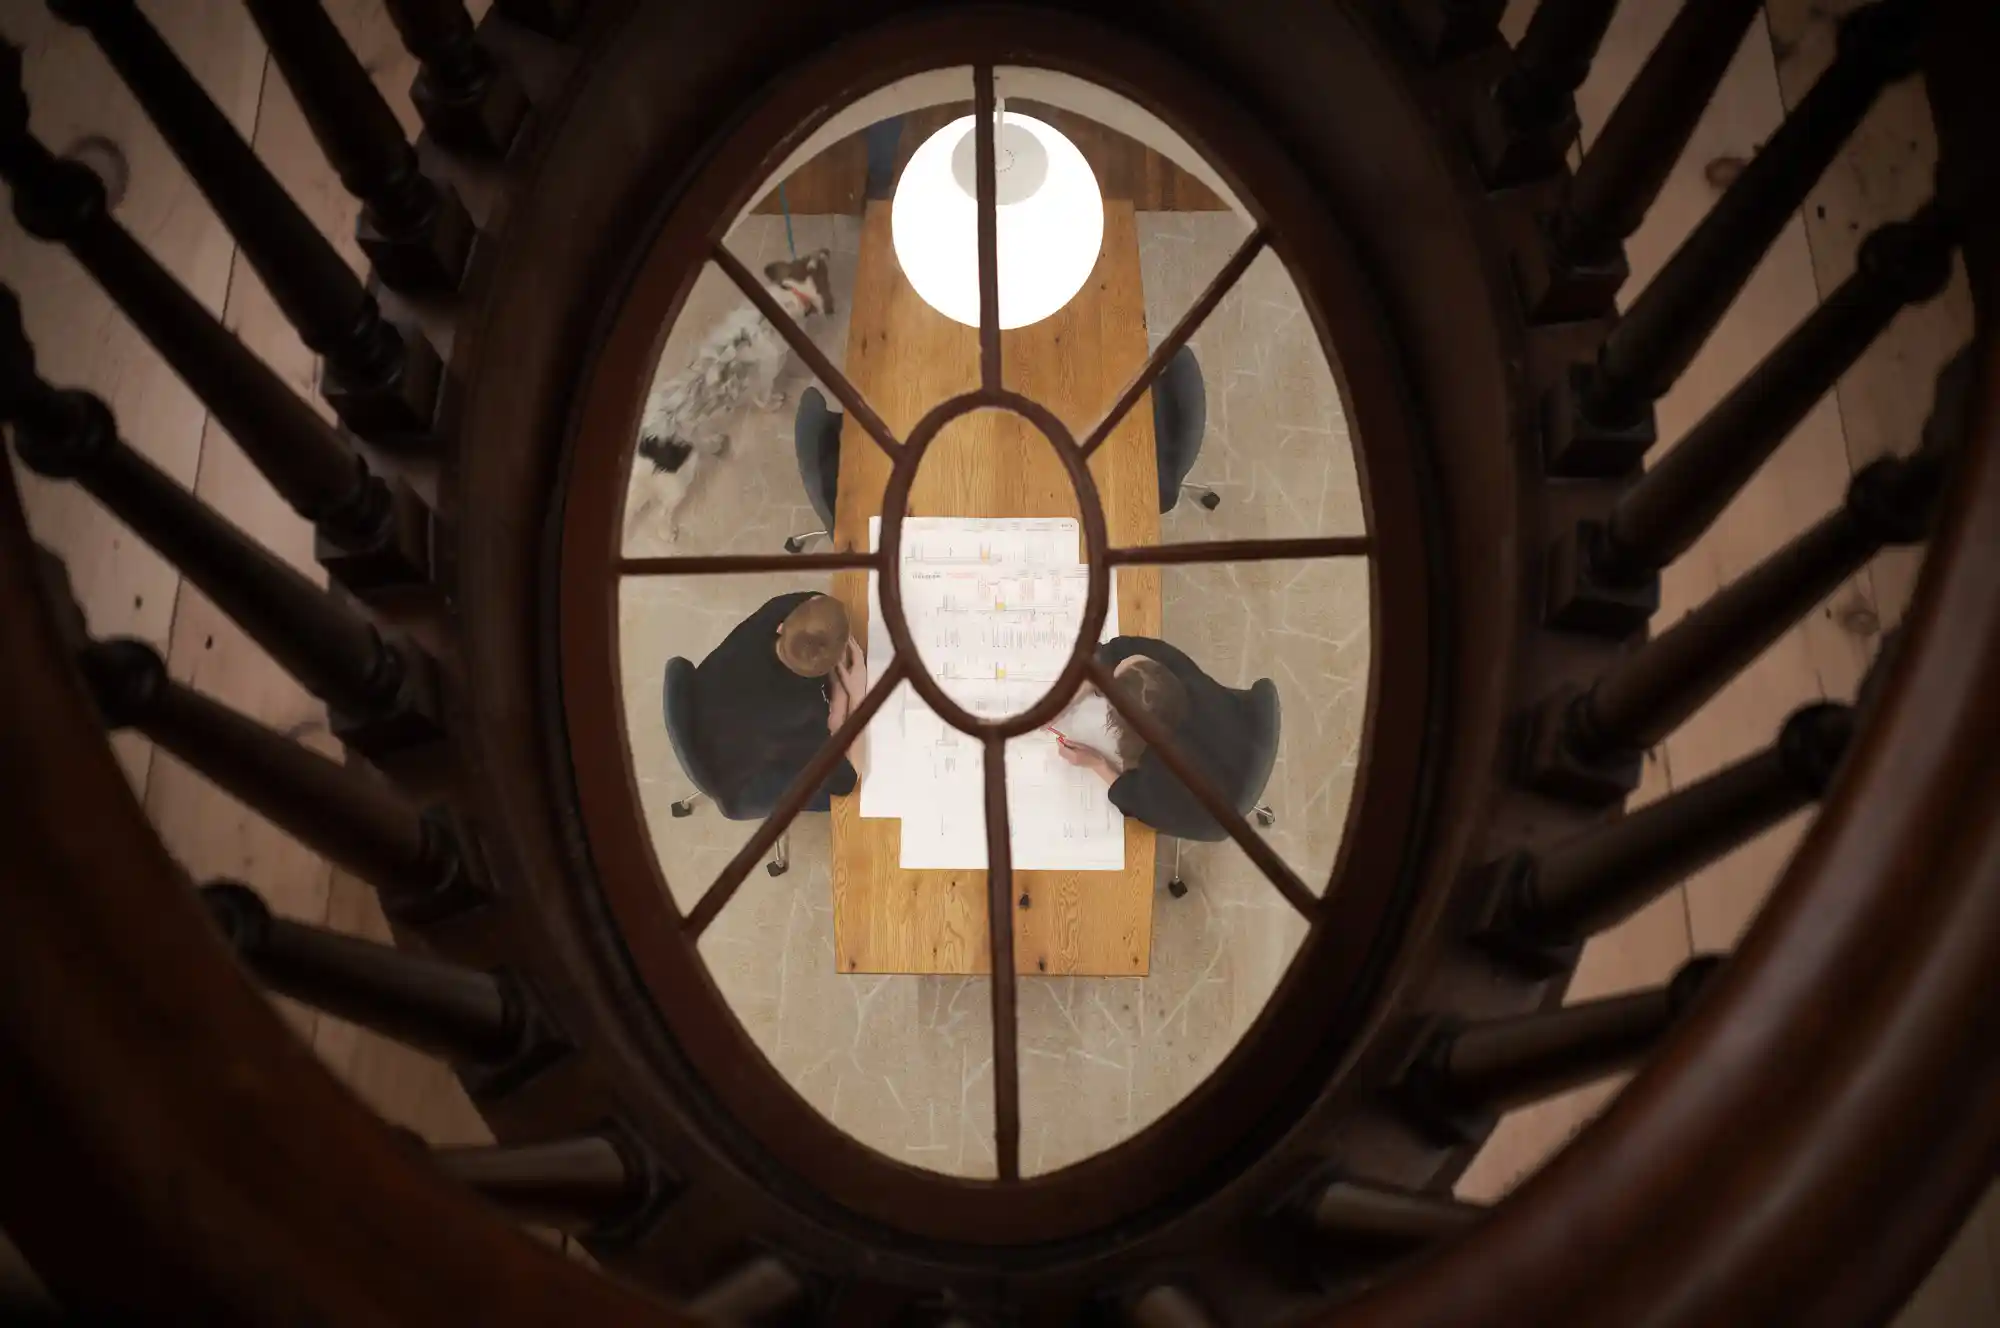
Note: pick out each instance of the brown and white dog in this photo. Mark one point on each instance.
(692, 414)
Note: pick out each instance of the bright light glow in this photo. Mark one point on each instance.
(1050, 228)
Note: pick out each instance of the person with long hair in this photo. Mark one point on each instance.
(1203, 719)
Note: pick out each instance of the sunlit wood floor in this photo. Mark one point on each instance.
(125, 590)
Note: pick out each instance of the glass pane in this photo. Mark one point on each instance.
(1252, 421)
(1120, 256)
(862, 970)
(719, 465)
(836, 195)
(1287, 642)
(674, 710)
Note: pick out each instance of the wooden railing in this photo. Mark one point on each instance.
(118, 986)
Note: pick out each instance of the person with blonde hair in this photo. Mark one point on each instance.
(782, 680)
(1206, 721)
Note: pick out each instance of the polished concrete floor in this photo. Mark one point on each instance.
(904, 1063)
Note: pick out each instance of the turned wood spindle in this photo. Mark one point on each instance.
(1462, 1077)
(1587, 746)
(414, 858)
(1680, 496)
(1524, 130)
(573, 1184)
(1591, 882)
(1604, 574)
(414, 230)
(469, 102)
(1657, 337)
(1359, 1213)
(333, 651)
(1647, 695)
(446, 1009)
(383, 383)
(381, 692)
(1576, 270)
(373, 535)
(1630, 159)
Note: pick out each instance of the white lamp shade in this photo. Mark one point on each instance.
(1049, 229)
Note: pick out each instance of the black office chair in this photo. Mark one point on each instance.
(883, 138)
(680, 703)
(1180, 418)
(816, 438)
(1264, 718)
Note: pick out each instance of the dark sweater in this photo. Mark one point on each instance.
(1216, 735)
(760, 723)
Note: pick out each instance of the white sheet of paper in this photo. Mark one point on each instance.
(994, 605)
(1059, 818)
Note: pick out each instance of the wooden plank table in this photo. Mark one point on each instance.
(907, 357)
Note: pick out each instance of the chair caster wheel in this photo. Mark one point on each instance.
(1177, 888)
(1210, 500)
(794, 545)
(680, 809)
(776, 868)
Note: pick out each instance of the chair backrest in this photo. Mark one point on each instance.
(1180, 418)
(809, 439)
(1266, 722)
(1261, 719)
(678, 700)
(680, 703)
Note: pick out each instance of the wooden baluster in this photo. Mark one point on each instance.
(418, 860)
(489, 1022)
(1603, 576)
(469, 102)
(551, 18)
(1587, 746)
(1460, 1078)
(1168, 1306)
(1354, 1212)
(590, 1182)
(1576, 267)
(382, 382)
(414, 230)
(1541, 906)
(1599, 419)
(373, 535)
(383, 693)
(750, 1293)
(1524, 128)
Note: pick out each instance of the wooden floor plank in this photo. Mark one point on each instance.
(1883, 174)
(1806, 478)
(405, 1087)
(81, 339)
(402, 1086)
(205, 828)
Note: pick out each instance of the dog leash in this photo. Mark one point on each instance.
(786, 208)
